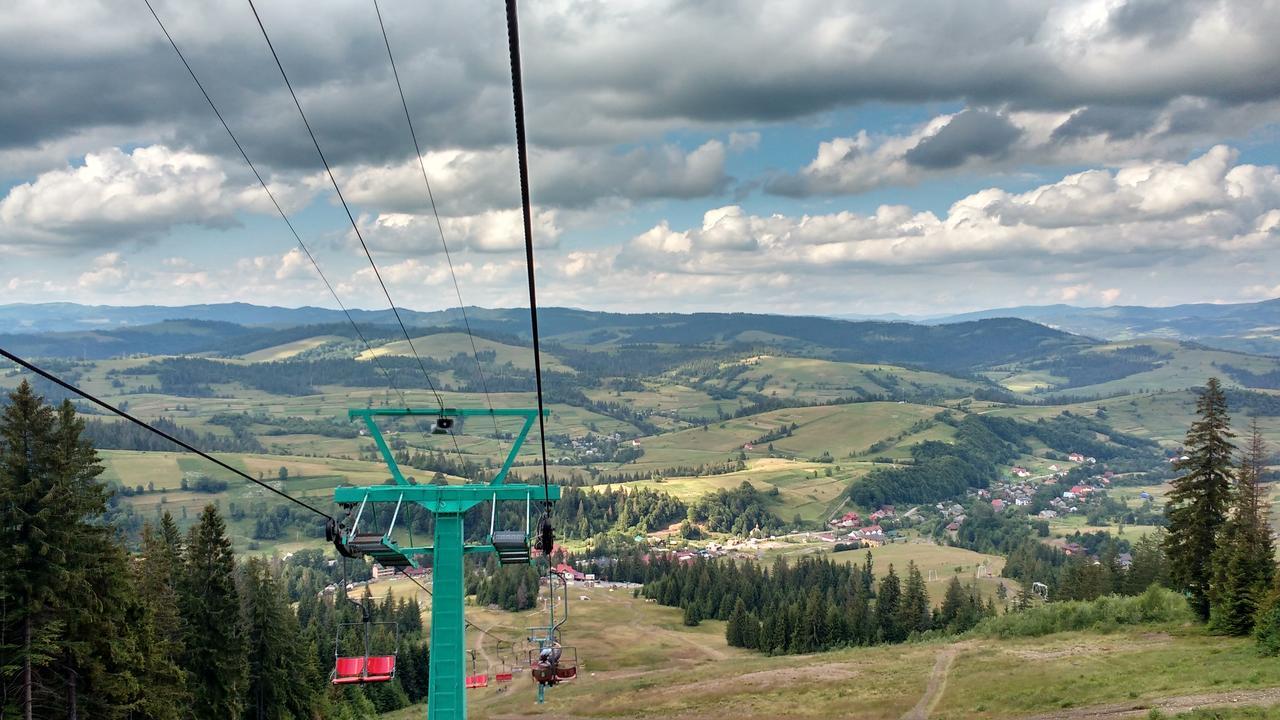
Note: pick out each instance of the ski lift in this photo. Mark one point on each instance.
(364, 668)
(509, 669)
(442, 426)
(476, 680)
(1040, 590)
(353, 541)
(553, 662)
(511, 546)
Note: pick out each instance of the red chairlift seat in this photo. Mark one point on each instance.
(503, 677)
(381, 668)
(477, 681)
(348, 670)
(356, 670)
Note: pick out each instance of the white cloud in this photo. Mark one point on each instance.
(1143, 213)
(116, 197)
(1004, 140)
(494, 231)
(108, 274)
(469, 182)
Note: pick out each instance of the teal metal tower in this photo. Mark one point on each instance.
(446, 699)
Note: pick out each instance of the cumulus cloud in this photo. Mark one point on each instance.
(108, 274)
(493, 231)
(115, 197)
(1161, 209)
(969, 134)
(1004, 140)
(600, 73)
(1156, 232)
(467, 182)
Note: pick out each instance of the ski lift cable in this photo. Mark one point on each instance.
(142, 423)
(475, 353)
(522, 155)
(296, 236)
(470, 624)
(342, 199)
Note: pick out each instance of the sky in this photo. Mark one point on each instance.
(796, 157)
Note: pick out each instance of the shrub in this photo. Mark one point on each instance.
(1267, 627)
(1156, 605)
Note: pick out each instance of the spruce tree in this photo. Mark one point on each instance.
(71, 642)
(1244, 564)
(160, 627)
(735, 630)
(278, 684)
(888, 608)
(952, 610)
(33, 571)
(1197, 505)
(214, 647)
(915, 613)
(100, 608)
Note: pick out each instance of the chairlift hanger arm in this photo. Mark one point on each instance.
(368, 415)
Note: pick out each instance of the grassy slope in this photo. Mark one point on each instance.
(638, 661)
(822, 380)
(443, 346)
(1188, 367)
(288, 350)
(837, 429)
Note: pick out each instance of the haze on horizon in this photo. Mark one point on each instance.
(798, 158)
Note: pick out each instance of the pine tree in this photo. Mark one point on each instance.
(160, 627)
(751, 632)
(68, 609)
(949, 615)
(277, 671)
(1197, 504)
(33, 574)
(214, 647)
(1244, 564)
(889, 608)
(915, 615)
(100, 608)
(692, 617)
(735, 630)
(1150, 565)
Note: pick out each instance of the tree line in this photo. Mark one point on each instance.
(814, 604)
(180, 629)
(1219, 540)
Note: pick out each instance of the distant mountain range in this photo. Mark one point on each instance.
(74, 331)
(1246, 327)
(105, 330)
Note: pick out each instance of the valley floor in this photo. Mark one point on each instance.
(639, 661)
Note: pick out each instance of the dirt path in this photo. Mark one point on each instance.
(1170, 705)
(937, 683)
(483, 659)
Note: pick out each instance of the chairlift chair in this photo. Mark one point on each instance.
(511, 546)
(553, 664)
(354, 541)
(507, 661)
(476, 680)
(367, 667)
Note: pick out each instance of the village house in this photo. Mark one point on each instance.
(569, 573)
